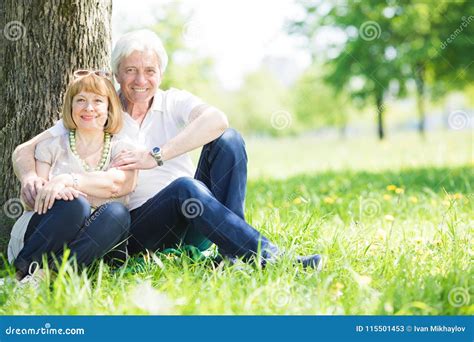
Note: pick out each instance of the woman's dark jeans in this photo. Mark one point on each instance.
(71, 224)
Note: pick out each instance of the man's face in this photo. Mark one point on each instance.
(139, 76)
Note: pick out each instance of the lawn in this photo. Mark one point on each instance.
(394, 220)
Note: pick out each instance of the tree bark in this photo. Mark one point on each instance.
(45, 40)
(380, 111)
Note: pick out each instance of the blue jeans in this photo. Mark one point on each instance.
(203, 210)
(70, 223)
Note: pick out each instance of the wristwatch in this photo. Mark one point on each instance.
(156, 154)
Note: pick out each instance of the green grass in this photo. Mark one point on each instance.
(395, 221)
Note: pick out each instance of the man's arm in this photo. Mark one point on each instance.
(23, 159)
(206, 124)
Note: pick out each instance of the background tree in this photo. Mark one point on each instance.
(388, 43)
(364, 64)
(44, 41)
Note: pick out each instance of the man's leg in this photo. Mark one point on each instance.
(162, 222)
(222, 168)
(49, 232)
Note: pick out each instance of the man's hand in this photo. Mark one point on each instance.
(134, 160)
(30, 187)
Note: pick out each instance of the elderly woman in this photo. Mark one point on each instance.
(174, 203)
(90, 222)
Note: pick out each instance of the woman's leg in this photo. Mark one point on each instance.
(105, 229)
(49, 232)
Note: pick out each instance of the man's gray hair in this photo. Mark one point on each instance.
(141, 40)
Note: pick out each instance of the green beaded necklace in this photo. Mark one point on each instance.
(105, 151)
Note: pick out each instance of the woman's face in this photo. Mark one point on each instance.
(89, 111)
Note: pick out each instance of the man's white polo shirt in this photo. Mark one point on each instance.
(168, 115)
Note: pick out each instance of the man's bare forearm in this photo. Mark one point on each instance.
(206, 127)
(23, 157)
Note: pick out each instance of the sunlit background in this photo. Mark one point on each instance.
(325, 76)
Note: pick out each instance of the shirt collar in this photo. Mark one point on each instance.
(157, 101)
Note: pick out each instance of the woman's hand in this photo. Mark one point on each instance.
(47, 195)
(69, 193)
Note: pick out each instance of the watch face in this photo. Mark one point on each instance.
(156, 150)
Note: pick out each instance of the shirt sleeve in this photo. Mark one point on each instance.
(44, 152)
(58, 129)
(182, 104)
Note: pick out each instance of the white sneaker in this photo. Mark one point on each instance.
(34, 279)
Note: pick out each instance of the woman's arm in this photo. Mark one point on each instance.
(103, 184)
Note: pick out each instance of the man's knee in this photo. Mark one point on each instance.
(230, 137)
(117, 212)
(188, 185)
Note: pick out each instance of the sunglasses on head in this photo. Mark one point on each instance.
(84, 72)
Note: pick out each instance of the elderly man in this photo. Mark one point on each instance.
(172, 204)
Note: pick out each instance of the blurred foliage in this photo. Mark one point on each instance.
(314, 101)
(391, 50)
(388, 43)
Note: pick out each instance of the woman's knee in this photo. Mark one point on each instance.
(76, 210)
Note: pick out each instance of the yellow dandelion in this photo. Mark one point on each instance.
(297, 200)
(399, 190)
(413, 199)
(391, 187)
(328, 200)
(389, 218)
(387, 197)
(338, 286)
(458, 196)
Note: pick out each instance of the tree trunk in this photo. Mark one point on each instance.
(44, 42)
(380, 112)
(420, 99)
